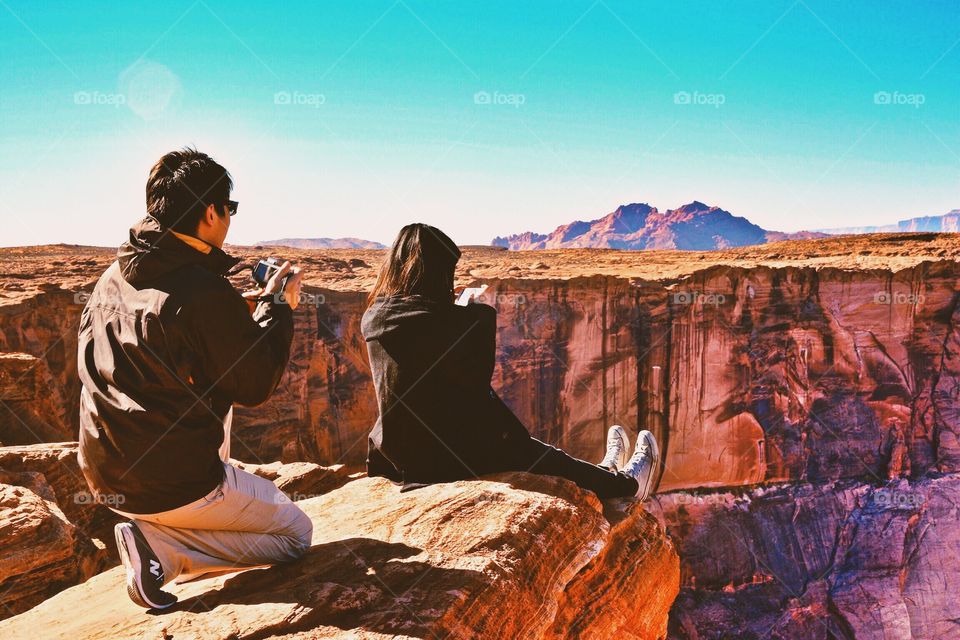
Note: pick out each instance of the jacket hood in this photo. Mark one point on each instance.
(389, 314)
(153, 251)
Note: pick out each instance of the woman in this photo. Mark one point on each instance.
(432, 362)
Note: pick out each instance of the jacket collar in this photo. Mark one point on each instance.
(153, 251)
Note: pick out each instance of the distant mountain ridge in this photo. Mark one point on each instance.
(323, 243)
(694, 226)
(947, 223)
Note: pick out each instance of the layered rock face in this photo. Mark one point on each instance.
(745, 375)
(39, 388)
(511, 556)
(844, 559)
(42, 551)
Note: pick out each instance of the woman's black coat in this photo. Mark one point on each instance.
(439, 419)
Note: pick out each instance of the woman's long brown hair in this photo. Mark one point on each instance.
(421, 262)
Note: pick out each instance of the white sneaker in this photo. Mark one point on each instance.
(618, 443)
(644, 464)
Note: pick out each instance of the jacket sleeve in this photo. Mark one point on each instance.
(241, 357)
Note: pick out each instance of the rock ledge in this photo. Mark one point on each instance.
(510, 556)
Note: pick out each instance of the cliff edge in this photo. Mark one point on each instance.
(510, 556)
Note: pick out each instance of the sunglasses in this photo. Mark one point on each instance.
(232, 207)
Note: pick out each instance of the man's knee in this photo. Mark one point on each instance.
(301, 534)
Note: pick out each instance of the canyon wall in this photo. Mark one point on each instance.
(844, 559)
(745, 375)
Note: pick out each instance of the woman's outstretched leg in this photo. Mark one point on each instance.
(635, 480)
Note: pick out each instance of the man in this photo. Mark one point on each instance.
(166, 346)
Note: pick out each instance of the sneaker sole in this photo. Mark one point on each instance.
(655, 463)
(130, 557)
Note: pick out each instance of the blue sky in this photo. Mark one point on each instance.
(353, 118)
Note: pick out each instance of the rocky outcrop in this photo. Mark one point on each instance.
(47, 502)
(40, 394)
(842, 560)
(41, 551)
(57, 464)
(300, 480)
(509, 556)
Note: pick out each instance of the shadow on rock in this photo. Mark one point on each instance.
(350, 584)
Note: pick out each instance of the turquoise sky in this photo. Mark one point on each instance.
(488, 118)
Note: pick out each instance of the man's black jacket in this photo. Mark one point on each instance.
(166, 346)
(432, 364)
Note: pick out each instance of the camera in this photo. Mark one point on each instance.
(264, 270)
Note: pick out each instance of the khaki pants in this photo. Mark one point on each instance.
(245, 522)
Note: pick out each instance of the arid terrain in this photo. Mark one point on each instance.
(36, 268)
(806, 395)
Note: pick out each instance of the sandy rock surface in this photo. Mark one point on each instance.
(509, 556)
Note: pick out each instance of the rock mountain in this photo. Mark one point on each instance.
(694, 226)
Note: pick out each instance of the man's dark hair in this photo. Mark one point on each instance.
(182, 185)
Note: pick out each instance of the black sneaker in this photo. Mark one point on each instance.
(144, 572)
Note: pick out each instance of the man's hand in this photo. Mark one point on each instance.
(291, 293)
(251, 298)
